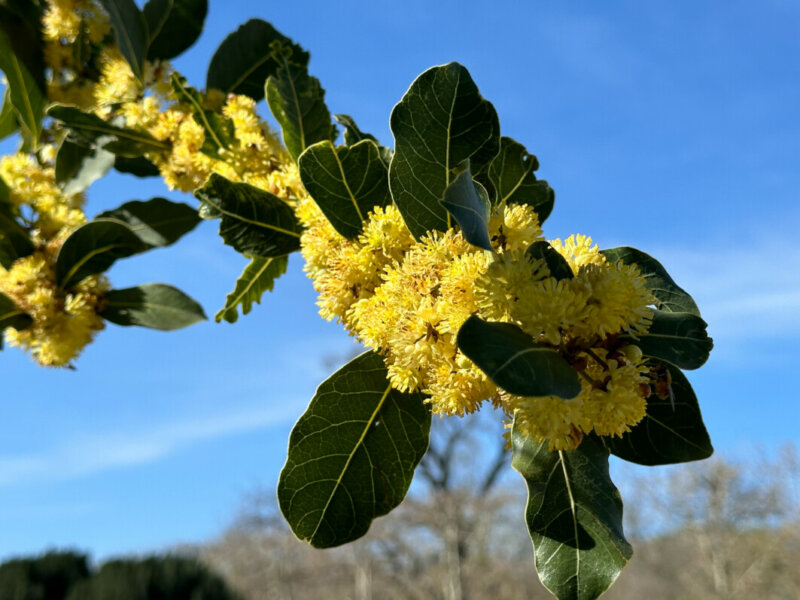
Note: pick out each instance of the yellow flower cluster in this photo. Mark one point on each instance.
(70, 27)
(33, 185)
(407, 299)
(63, 321)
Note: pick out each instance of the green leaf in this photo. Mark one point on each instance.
(154, 305)
(157, 222)
(248, 56)
(89, 129)
(297, 101)
(670, 296)
(78, 166)
(8, 116)
(556, 264)
(258, 277)
(353, 135)
(511, 174)
(346, 182)
(574, 517)
(440, 122)
(130, 31)
(672, 431)
(93, 248)
(217, 129)
(14, 239)
(21, 62)
(173, 26)
(254, 222)
(516, 363)
(12, 316)
(467, 201)
(352, 454)
(678, 338)
(138, 166)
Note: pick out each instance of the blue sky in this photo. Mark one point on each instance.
(668, 125)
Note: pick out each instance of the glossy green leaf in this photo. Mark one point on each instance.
(217, 129)
(8, 116)
(93, 248)
(21, 62)
(678, 338)
(467, 201)
(346, 182)
(138, 166)
(12, 316)
(130, 31)
(671, 432)
(89, 129)
(78, 166)
(158, 222)
(248, 56)
(15, 242)
(574, 517)
(297, 101)
(516, 363)
(352, 454)
(173, 26)
(258, 277)
(670, 296)
(153, 305)
(254, 222)
(440, 122)
(556, 264)
(511, 174)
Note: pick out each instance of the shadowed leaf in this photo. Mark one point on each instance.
(153, 305)
(248, 56)
(670, 296)
(254, 222)
(515, 362)
(671, 432)
(467, 201)
(173, 26)
(511, 174)
(158, 222)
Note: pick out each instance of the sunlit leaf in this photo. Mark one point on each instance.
(78, 166)
(574, 517)
(158, 222)
(346, 182)
(352, 454)
(297, 102)
(258, 277)
(441, 121)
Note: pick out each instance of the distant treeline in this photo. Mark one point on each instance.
(69, 576)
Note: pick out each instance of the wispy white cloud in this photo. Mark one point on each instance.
(88, 454)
